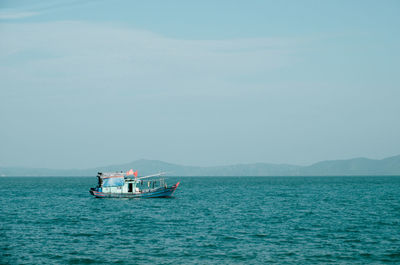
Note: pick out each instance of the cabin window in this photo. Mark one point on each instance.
(130, 187)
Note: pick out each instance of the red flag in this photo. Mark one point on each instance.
(130, 172)
(135, 173)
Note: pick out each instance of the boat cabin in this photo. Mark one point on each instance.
(119, 183)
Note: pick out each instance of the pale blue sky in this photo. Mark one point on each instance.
(198, 82)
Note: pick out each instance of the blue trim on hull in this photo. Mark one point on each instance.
(159, 193)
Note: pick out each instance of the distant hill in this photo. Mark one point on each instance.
(349, 167)
(354, 167)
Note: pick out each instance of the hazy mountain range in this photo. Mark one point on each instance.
(349, 167)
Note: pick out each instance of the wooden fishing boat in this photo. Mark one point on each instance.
(121, 185)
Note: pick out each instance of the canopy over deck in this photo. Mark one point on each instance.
(111, 179)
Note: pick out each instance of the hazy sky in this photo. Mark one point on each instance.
(198, 82)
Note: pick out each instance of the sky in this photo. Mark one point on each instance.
(94, 83)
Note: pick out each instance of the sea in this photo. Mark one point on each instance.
(210, 220)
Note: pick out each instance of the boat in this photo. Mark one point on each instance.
(128, 185)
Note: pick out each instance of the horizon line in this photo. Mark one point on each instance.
(234, 164)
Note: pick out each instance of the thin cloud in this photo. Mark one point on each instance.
(30, 11)
(17, 15)
(116, 50)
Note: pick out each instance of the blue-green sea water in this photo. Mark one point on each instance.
(211, 220)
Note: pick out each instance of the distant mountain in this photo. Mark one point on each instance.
(349, 167)
(353, 167)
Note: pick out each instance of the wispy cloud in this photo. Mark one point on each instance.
(17, 15)
(76, 52)
(35, 9)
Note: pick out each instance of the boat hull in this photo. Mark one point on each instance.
(153, 193)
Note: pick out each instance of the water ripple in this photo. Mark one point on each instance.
(210, 221)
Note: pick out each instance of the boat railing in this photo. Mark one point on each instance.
(151, 184)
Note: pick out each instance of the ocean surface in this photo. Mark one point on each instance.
(211, 220)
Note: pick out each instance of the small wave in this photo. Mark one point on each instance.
(393, 255)
(260, 235)
(82, 261)
(229, 238)
(83, 234)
